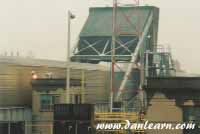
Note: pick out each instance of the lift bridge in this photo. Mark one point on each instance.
(125, 36)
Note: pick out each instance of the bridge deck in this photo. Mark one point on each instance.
(174, 83)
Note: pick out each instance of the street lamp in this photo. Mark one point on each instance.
(70, 16)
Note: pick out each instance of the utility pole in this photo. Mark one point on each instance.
(70, 16)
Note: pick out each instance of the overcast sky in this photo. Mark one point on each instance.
(40, 26)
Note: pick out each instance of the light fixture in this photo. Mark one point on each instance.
(72, 16)
(34, 76)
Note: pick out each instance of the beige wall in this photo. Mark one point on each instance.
(95, 91)
(15, 83)
(43, 121)
(164, 110)
(96, 87)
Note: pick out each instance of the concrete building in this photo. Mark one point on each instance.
(16, 89)
(174, 100)
(15, 77)
(86, 86)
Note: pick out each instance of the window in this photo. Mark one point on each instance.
(75, 99)
(47, 101)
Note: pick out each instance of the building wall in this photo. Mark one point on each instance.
(16, 115)
(15, 77)
(15, 83)
(164, 110)
(94, 89)
(43, 120)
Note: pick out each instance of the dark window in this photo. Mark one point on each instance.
(77, 98)
(47, 101)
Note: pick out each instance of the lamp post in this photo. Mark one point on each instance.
(70, 16)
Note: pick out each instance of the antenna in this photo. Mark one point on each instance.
(115, 30)
(112, 86)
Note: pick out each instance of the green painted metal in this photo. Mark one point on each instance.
(192, 114)
(95, 39)
(165, 66)
(129, 20)
(131, 86)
